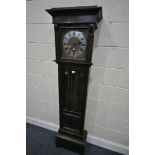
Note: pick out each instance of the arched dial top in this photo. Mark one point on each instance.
(74, 44)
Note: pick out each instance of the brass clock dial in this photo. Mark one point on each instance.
(74, 44)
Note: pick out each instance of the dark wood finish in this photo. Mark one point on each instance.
(71, 143)
(73, 74)
(78, 15)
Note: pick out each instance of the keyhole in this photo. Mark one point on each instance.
(73, 72)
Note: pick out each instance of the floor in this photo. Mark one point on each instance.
(40, 141)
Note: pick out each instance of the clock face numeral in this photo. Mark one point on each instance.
(69, 34)
(74, 44)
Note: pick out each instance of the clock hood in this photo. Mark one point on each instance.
(76, 15)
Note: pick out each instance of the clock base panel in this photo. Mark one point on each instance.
(73, 144)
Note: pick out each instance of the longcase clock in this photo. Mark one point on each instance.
(74, 36)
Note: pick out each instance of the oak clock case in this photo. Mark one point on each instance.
(74, 35)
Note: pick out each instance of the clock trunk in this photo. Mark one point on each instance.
(73, 81)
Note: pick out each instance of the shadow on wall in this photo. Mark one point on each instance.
(91, 119)
(111, 34)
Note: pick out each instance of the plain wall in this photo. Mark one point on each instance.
(107, 114)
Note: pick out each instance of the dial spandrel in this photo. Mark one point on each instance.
(74, 44)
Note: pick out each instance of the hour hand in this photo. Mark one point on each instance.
(69, 46)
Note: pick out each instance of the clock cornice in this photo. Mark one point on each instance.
(76, 15)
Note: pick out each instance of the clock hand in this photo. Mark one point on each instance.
(74, 44)
(69, 46)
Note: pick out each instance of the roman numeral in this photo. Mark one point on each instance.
(69, 34)
(83, 44)
(81, 49)
(78, 34)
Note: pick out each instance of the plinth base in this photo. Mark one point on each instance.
(73, 144)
